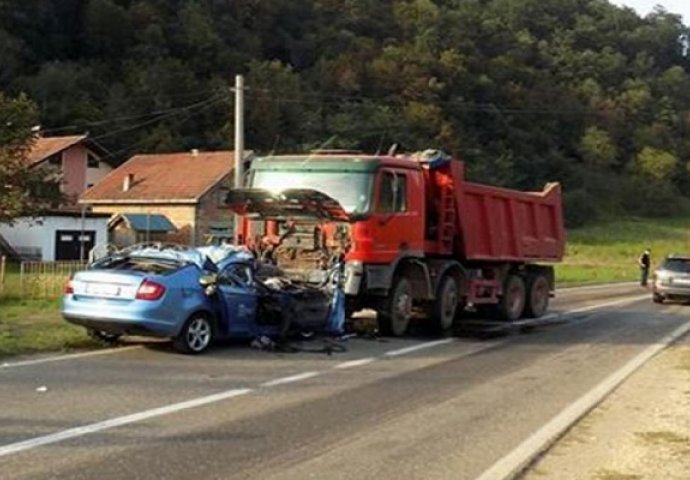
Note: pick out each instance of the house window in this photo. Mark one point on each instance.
(55, 159)
(92, 161)
(392, 193)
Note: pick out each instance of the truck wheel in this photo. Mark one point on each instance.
(394, 318)
(512, 303)
(445, 305)
(196, 335)
(537, 296)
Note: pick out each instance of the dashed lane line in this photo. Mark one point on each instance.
(508, 462)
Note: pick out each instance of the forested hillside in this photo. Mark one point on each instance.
(526, 91)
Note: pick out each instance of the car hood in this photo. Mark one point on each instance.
(290, 203)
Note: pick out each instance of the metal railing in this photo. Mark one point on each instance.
(46, 279)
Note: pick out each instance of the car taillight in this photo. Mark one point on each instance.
(149, 290)
(69, 287)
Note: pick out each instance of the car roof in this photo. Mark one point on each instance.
(674, 256)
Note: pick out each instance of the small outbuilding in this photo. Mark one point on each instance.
(58, 235)
(131, 228)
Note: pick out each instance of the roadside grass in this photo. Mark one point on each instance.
(32, 325)
(608, 251)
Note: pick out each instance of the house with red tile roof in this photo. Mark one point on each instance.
(79, 159)
(67, 233)
(186, 190)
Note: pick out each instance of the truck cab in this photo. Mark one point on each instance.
(413, 234)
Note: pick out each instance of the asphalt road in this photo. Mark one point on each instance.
(414, 408)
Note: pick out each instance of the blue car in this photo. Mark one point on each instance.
(192, 295)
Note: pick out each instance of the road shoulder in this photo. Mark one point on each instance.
(641, 431)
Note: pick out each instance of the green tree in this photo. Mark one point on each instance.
(24, 191)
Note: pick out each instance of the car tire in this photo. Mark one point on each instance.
(656, 298)
(196, 336)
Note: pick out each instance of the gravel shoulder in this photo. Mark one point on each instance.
(641, 431)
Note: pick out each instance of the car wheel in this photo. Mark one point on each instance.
(196, 335)
(103, 337)
(656, 298)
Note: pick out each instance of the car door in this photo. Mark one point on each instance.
(240, 299)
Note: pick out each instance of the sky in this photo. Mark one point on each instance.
(643, 7)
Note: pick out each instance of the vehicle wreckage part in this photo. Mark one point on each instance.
(353, 277)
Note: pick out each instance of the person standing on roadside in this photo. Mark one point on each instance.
(645, 262)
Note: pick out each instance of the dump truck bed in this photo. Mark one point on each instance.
(499, 224)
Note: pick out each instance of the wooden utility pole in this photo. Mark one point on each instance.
(239, 145)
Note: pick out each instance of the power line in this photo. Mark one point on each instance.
(175, 122)
(215, 99)
(84, 126)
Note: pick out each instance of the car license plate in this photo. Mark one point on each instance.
(102, 289)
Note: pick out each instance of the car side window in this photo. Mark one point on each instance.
(392, 193)
(238, 275)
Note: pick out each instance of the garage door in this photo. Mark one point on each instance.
(68, 244)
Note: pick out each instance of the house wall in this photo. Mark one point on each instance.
(37, 235)
(95, 175)
(74, 171)
(212, 212)
(182, 216)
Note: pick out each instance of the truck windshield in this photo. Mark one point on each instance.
(351, 189)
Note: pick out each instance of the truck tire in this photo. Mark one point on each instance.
(512, 303)
(394, 318)
(445, 307)
(537, 301)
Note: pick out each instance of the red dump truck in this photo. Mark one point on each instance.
(416, 238)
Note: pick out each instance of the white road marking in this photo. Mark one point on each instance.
(421, 346)
(70, 356)
(607, 304)
(355, 363)
(291, 379)
(596, 287)
(514, 463)
(17, 447)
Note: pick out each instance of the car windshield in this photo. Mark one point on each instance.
(681, 265)
(351, 189)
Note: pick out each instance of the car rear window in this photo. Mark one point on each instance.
(677, 264)
(154, 266)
